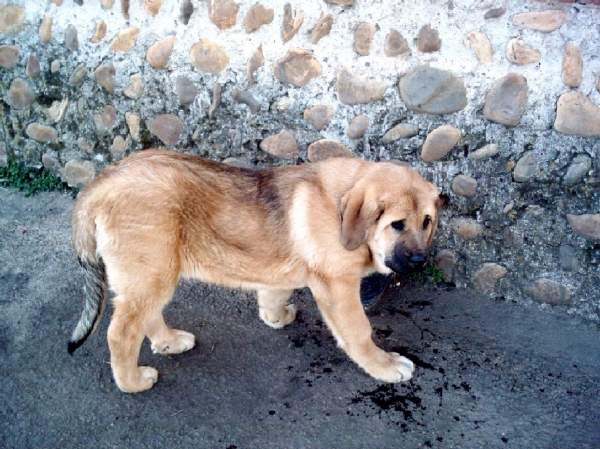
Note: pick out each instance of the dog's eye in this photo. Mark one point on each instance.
(426, 222)
(398, 225)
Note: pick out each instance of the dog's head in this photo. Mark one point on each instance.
(394, 211)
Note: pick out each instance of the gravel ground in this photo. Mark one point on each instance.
(489, 374)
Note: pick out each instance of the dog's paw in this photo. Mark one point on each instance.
(278, 318)
(393, 368)
(178, 342)
(142, 379)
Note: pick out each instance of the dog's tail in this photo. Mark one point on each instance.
(84, 241)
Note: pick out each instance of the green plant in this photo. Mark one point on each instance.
(29, 179)
(430, 271)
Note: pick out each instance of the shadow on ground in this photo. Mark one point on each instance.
(489, 373)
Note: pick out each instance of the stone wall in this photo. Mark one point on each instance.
(496, 102)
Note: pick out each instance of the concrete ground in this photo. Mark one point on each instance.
(490, 374)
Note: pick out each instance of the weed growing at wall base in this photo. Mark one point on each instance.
(430, 272)
(29, 179)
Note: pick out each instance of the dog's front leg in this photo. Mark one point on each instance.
(339, 303)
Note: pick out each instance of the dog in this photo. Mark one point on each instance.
(158, 215)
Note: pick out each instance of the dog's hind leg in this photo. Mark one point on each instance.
(125, 335)
(166, 340)
(138, 312)
(273, 310)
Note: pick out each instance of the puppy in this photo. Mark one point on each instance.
(156, 216)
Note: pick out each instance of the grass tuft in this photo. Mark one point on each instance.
(29, 179)
(430, 272)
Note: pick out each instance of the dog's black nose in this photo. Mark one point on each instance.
(417, 261)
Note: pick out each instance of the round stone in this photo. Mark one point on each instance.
(104, 76)
(439, 142)
(319, 116)
(223, 13)
(432, 91)
(78, 75)
(9, 56)
(50, 162)
(291, 24)
(321, 29)
(84, 145)
(45, 30)
(494, 13)
(167, 127)
(216, 100)
(186, 90)
(358, 126)
(577, 115)
(71, 41)
(254, 63)
(135, 88)
(464, 186)
(133, 122)
(526, 167)
(100, 32)
(208, 56)
(327, 148)
(395, 44)
(245, 97)
(568, 258)
(550, 292)
(586, 226)
(363, 38)
(118, 147)
(467, 228)
(41, 133)
(518, 52)
(153, 6)
(78, 174)
(297, 67)
(400, 131)
(57, 110)
(32, 69)
(353, 90)
(159, 53)
(545, 21)
(485, 279)
(572, 67)
(579, 167)
(282, 145)
(11, 19)
(482, 46)
(105, 119)
(506, 101)
(20, 94)
(257, 16)
(125, 40)
(485, 152)
(428, 40)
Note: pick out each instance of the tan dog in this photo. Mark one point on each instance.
(158, 215)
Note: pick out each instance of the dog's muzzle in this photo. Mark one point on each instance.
(404, 262)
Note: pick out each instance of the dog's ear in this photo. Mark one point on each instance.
(358, 214)
(443, 200)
